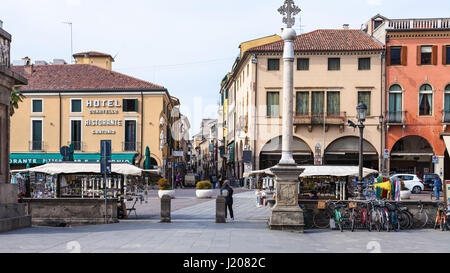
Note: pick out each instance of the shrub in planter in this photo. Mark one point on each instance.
(165, 188)
(204, 189)
(204, 185)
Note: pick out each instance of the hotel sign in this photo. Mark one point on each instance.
(106, 103)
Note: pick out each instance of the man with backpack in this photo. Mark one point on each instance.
(227, 192)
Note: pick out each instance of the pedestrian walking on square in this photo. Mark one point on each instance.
(214, 180)
(178, 181)
(437, 187)
(227, 192)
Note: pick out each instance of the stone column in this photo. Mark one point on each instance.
(287, 214)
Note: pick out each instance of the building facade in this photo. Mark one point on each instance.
(12, 214)
(417, 92)
(335, 70)
(80, 105)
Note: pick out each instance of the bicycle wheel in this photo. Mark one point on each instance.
(321, 219)
(420, 220)
(403, 220)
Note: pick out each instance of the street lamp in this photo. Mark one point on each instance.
(361, 111)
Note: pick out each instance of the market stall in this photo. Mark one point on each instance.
(324, 182)
(74, 183)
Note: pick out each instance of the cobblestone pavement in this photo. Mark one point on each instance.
(193, 230)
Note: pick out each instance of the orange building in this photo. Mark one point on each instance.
(417, 93)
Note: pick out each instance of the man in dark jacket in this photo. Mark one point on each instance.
(227, 191)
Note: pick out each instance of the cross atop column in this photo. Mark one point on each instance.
(289, 9)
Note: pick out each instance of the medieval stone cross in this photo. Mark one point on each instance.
(289, 9)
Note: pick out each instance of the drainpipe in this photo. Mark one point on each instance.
(382, 106)
(142, 126)
(60, 121)
(255, 112)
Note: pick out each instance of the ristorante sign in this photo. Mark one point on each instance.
(103, 122)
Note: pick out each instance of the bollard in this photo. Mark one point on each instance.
(165, 209)
(220, 209)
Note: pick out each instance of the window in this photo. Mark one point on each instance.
(75, 106)
(273, 64)
(395, 55)
(302, 103)
(130, 136)
(395, 104)
(75, 134)
(425, 100)
(302, 64)
(273, 104)
(377, 23)
(364, 64)
(333, 103)
(447, 104)
(130, 105)
(364, 97)
(334, 63)
(36, 135)
(426, 53)
(317, 102)
(36, 106)
(446, 55)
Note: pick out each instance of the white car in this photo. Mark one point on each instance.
(412, 182)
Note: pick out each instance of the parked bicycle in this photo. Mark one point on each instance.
(440, 217)
(420, 219)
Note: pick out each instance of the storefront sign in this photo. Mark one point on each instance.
(103, 103)
(178, 153)
(447, 192)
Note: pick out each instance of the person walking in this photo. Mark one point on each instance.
(178, 181)
(214, 180)
(437, 187)
(227, 192)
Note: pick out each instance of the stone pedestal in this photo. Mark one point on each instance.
(287, 214)
(165, 209)
(220, 209)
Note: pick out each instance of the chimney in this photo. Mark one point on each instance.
(1, 24)
(28, 67)
(346, 26)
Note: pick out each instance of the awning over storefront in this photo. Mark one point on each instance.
(447, 142)
(44, 158)
(71, 168)
(324, 170)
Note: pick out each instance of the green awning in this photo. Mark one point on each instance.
(44, 158)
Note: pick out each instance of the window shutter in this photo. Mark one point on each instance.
(434, 55)
(444, 55)
(388, 55)
(135, 105)
(419, 55)
(404, 55)
(124, 107)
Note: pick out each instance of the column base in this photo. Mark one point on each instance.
(287, 214)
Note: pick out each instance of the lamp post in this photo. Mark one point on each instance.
(361, 110)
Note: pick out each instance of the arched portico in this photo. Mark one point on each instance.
(270, 154)
(412, 154)
(345, 151)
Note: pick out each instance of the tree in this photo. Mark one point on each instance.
(15, 98)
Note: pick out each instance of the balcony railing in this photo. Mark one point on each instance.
(396, 117)
(407, 24)
(130, 146)
(78, 146)
(36, 146)
(446, 116)
(317, 118)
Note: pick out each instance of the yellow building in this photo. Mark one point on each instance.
(81, 104)
(94, 58)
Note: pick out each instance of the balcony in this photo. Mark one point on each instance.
(130, 146)
(419, 24)
(78, 146)
(445, 118)
(36, 146)
(396, 118)
(310, 119)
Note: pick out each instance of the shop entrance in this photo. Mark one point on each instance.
(412, 155)
(345, 151)
(271, 153)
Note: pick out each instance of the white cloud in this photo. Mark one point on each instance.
(73, 3)
(374, 2)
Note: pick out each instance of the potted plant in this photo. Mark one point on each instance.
(204, 189)
(405, 193)
(165, 188)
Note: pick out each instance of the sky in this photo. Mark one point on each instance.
(185, 46)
